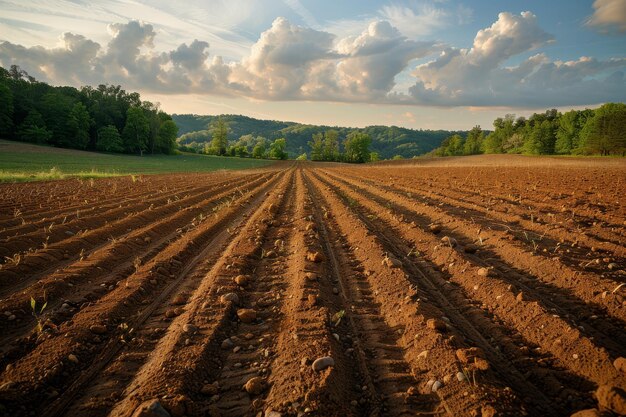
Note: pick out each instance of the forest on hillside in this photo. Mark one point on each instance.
(104, 118)
(387, 141)
(601, 131)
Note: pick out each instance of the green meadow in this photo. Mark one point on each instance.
(27, 162)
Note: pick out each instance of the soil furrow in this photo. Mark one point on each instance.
(431, 347)
(567, 344)
(42, 376)
(210, 314)
(590, 319)
(593, 289)
(57, 229)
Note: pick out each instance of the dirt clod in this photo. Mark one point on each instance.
(151, 408)
(98, 329)
(314, 257)
(255, 385)
(230, 297)
(246, 315)
(436, 324)
(322, 363)
(612, 398)
(620, 364)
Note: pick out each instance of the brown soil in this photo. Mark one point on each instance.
(456, 289)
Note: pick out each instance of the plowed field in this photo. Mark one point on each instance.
(322, 290)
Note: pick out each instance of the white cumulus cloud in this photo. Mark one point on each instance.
(292, 62)
(479, 77)
(609, 14)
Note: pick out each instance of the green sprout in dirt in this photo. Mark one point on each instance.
(37, 312)
(337, 317)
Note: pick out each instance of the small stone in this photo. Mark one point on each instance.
(423, 354)
(255, 385)
(272, 413)
(612, 266)
(436, 324)
(171, 313)
(483, 272)
(314, 257)
(470, 248)
(612, 398)
(575, 356)
(520, 296)
(246, 315)
(620, 364)
(469, 355)
(434, 228)
(72, 358)
(147, 239)
(436, 386)
(449, 241)
(98, 329)
(488, 411)
(335, 290)
(460, 376)
(310, 276)
(322, 363)
(151, 408)
(230, 297)
(210, 389)
(242, 280)
(227, 344)
(447, 379)
(179, 299)
(190, 328)
(11, 317)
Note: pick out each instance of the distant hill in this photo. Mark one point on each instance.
(388, 141)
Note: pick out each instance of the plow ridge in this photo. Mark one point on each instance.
(310, 289)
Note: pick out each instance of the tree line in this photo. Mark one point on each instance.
(601, 131)
(323, 146)
(106, 118)
(214, 141)
(387, 141)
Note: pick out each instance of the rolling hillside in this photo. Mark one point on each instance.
(388, 141)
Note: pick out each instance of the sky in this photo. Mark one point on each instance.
(429, 64)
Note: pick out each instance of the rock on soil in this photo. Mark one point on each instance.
(210, 389)
(322, 363)
(314, 257)
(230, 297)
(242, 280)
(98, 329)
(255, 385)
(620, 364)
(434, 228)
(246, 315)
(152, 408)
(190, 328)
(612, 398)
(436, 324)
(484, 272)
